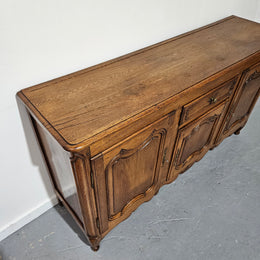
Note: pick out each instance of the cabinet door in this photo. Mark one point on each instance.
(132, 171)
(242, 104)
(194, 140)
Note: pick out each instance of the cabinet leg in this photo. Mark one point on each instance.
(212, 148)
(94, 243)
(237, 132)
(60, 203)
(95, 248)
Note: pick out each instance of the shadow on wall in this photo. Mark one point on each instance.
(34, 150)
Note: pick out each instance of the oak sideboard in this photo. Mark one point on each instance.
(112, 134)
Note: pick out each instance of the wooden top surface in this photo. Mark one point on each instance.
(85, 103)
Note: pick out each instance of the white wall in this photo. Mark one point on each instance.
(257, 18)
(41, 40)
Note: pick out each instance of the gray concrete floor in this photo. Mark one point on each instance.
(210, 212)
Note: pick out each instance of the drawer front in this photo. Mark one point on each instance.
(204, 103)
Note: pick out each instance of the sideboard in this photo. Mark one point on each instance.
(112, 134)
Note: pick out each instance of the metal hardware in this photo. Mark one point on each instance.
(212, 100)
(177, 156)
(97, 222)
(164, 157)
(92, 179)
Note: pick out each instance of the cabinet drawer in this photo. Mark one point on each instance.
(204, 103)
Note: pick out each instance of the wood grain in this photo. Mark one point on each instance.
(82, 106)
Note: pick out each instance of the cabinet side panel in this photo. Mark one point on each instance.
(61, 171)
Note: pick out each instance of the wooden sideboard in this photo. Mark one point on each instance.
(113, 134)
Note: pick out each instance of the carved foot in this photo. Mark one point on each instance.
(237, 132)
(95, 248)
(60, 203)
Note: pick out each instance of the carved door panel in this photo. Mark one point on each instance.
(242, 104)
(194, 140)
(132, 171)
